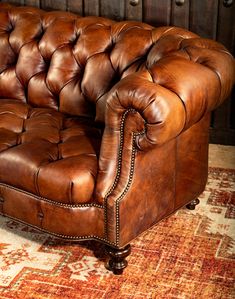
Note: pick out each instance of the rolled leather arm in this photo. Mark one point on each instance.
(136, 108)
(171, 92)
(174, 90)
(162, 111)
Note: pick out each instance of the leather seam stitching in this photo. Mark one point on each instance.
(51, 201)
(117, 173)
(73, 238)
(117, 202)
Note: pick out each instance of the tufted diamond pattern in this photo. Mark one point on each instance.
(61, 61)
(55, 156)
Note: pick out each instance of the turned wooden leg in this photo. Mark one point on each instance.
(117, 262)
(192, 204)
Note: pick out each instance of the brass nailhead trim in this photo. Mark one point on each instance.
(53, 202)
(70, 238)
(62, 236)
(117, 203)
(117, 172)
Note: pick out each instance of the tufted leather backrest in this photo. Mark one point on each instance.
(49, 59)
(68, 63)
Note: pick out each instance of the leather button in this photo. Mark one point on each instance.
(40, 215)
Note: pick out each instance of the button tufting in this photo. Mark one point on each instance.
(10, 28)
(40, 215)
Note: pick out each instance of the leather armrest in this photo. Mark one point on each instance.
(174, 90)
(161, 110)
(168, 95)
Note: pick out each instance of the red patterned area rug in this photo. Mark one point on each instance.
(189, 255)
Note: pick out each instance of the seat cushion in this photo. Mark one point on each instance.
(48, 153)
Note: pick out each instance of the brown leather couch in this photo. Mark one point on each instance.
(103, 124)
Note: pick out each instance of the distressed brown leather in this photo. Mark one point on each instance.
(103, 124)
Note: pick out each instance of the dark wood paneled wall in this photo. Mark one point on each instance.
(209, 18)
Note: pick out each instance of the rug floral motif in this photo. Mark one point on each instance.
(189, 255)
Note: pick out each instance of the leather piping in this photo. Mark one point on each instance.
(66, 237)
(65, 205)
(118, 200)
